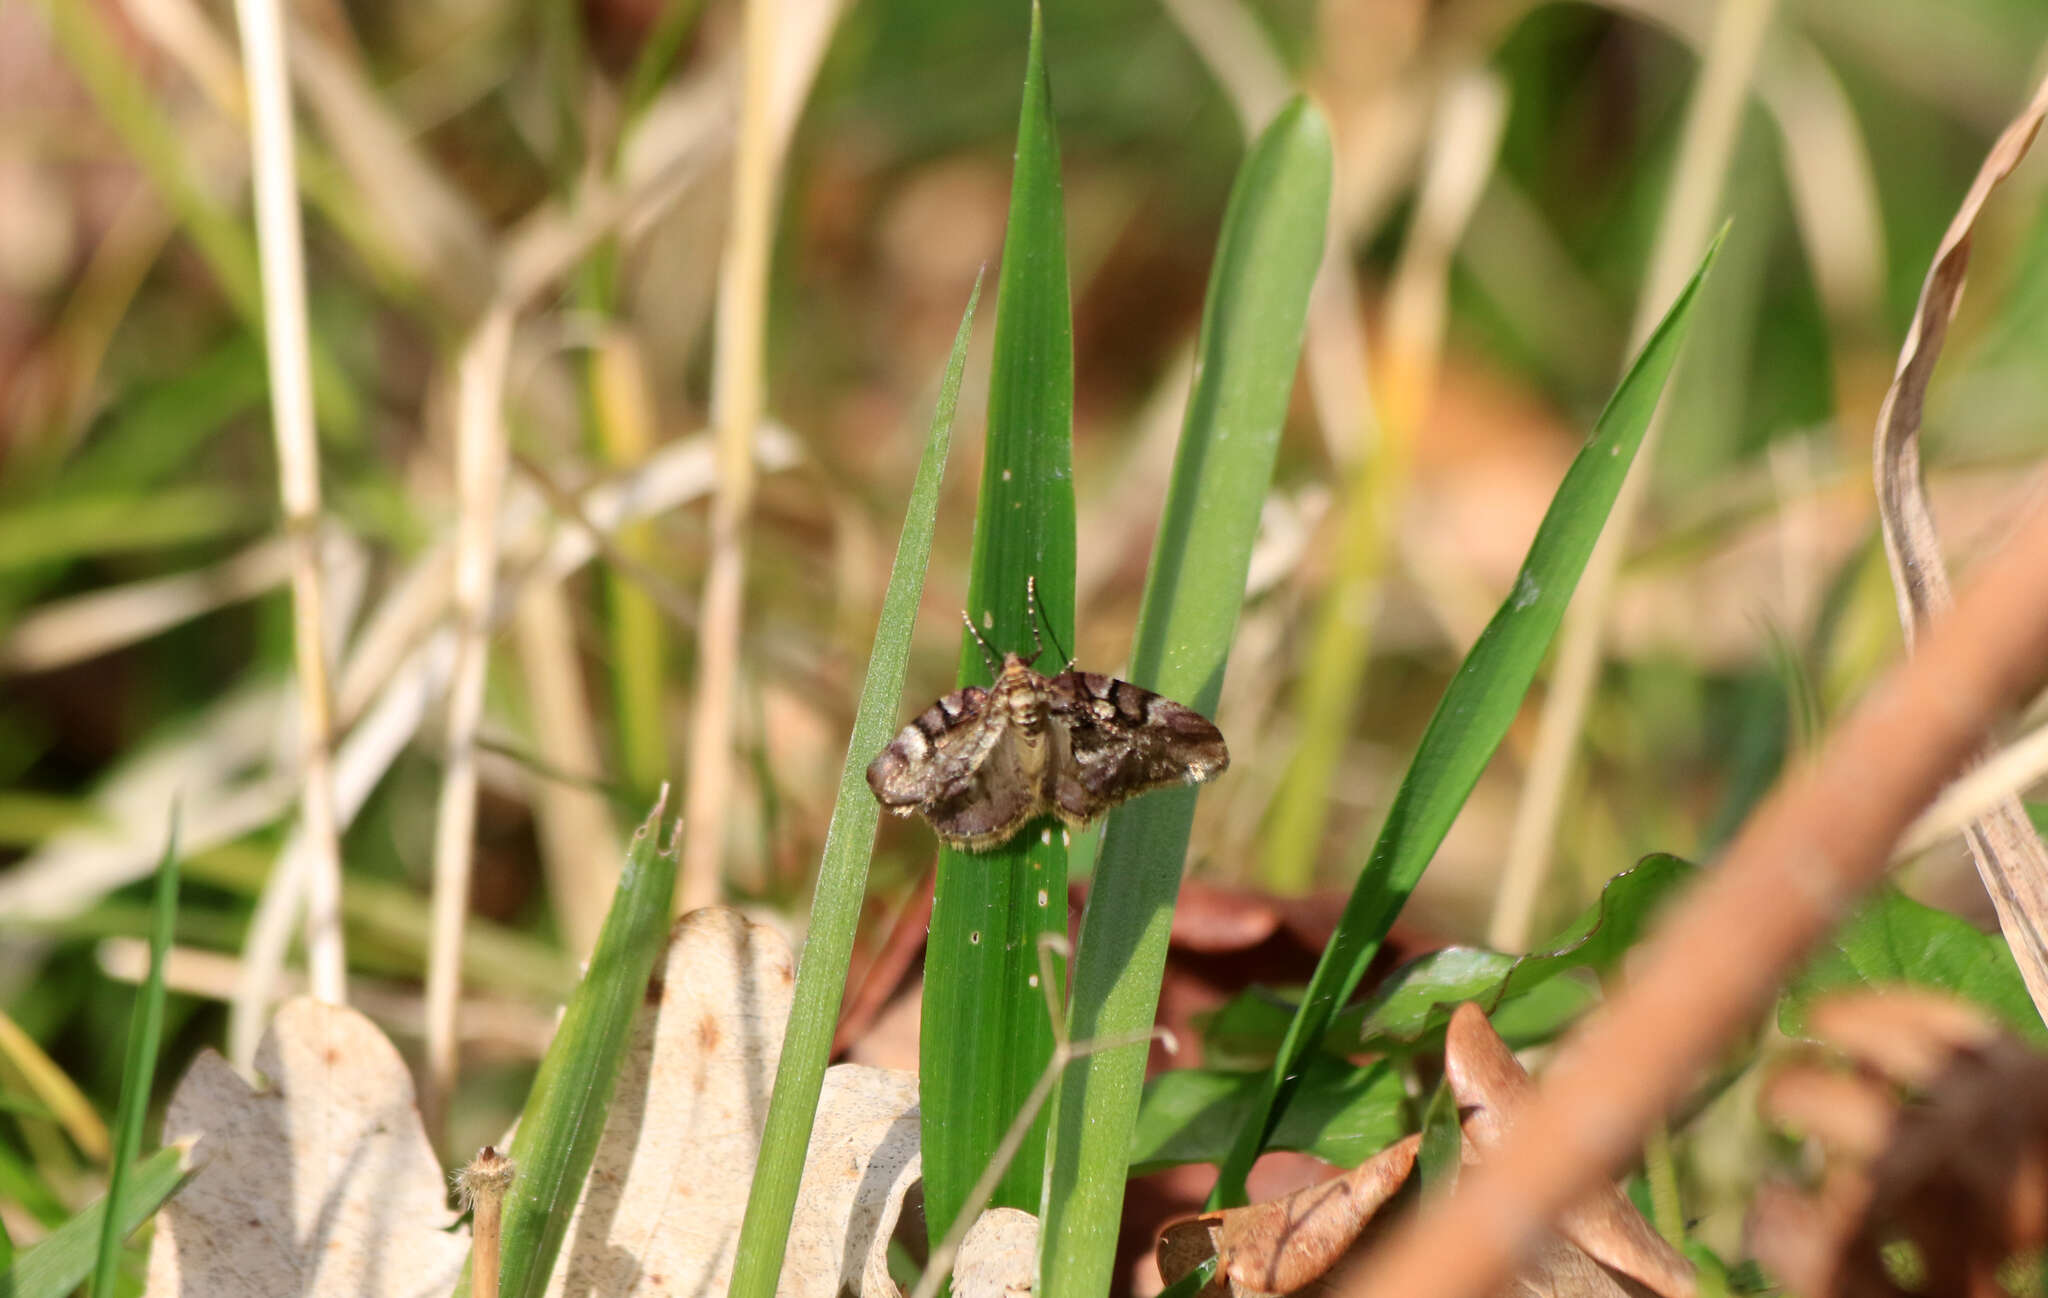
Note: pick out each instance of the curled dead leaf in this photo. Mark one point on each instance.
(318, 1182)
(661, 1210)
(1937, 1134)
(1492, 1088)
(1284, 1244)
(1603, 1247)
(321, 1182)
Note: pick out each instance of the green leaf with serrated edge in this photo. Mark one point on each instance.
(1252, 323)
(1892, 940)
(1472, 717)
(138, 1072)
(986, 1032)
(56, 1267)
(572, 1092)
(843, 869)
(1342, 1114)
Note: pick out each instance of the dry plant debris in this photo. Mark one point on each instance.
(321, 1182)
(661, 1212)
(2009, 853)
(1936, 1133)
(1602, 1246)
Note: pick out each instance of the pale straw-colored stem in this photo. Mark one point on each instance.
(479, 473)
(1713, 122)
(291, 404)
(737, 400)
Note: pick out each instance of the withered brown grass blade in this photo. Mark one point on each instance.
(2009, 854)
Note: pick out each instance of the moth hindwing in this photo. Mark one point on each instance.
(980, 764)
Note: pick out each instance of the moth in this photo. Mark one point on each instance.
(980, 764)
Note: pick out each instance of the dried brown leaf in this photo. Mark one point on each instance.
(319, 1182)
(661, 1211)
(998, 1257)
(1492, 1089)
(1284, 1244)
(1939, 1135)
(322, 1182)
(2009, 853)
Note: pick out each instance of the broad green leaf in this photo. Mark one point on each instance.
(138, 1073)
(843, 871)
(1252, 324)
(986, 1031)
(56, 1267)
(1893, 939)
(1342, 1114)
(1473, 716)
(572, 1092)
(1418, 999)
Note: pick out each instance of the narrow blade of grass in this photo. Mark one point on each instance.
(56, 1267)
(985, 1033)
(843, 871)
(1471, 719)
(1252, 321)
(138, 1074)
(572, 1092)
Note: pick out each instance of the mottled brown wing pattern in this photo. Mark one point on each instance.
(957, 763)
(1121, 740)
(981, 764)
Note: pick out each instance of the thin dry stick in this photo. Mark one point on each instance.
(2009, 855)
(1710, 132)
(1821, 838)
(737, 401)
(298, 465)
(480, 475)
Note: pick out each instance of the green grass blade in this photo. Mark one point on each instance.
(565, 1112)
(1252, 322)
(138, 1074)
(986, 1034)
(843, 872)
(56, 1267)
(1472, 717)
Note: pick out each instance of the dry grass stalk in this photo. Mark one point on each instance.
(480, 473)
(1713, 121)
(2010, 857)
(291, 402)
(737, 400)
(1824, 835)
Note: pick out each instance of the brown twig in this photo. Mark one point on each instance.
(1823, 836)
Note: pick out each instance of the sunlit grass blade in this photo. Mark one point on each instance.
(843, 871)
(565, 1112)
(1472, 718)
(56, 1267)
(986, 1037)
(1252, 322)
(138, 1073)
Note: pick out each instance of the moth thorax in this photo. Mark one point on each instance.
(1024, 700)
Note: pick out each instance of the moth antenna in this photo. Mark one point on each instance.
(1037, 615)
(987, 655)
(1031, 616)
